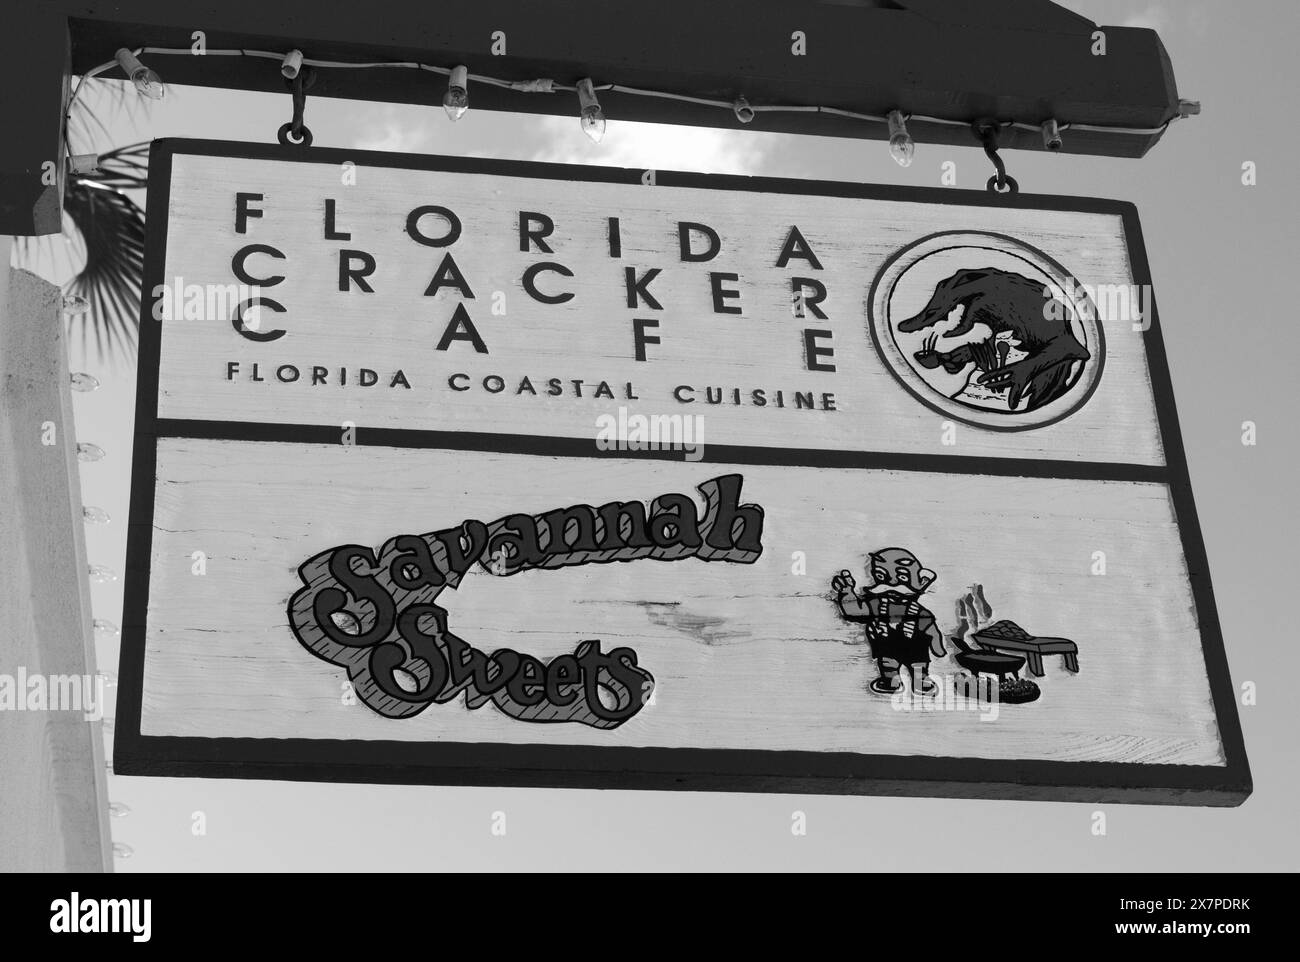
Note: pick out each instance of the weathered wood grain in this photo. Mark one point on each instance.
(745, 656)
(591, 336)
(53, 787)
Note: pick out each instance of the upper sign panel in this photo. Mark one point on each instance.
(459, 295)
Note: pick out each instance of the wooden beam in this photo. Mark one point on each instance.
(53, 791)
(1024, 60)
(34, 77)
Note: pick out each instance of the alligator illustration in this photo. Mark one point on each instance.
(1007, 303)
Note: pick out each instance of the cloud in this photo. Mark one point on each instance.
(652, 146)
(405, 129)
(1154, 17)
(390, 131)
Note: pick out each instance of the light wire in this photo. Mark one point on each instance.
(545, 85)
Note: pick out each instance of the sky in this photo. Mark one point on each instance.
(1222, 256)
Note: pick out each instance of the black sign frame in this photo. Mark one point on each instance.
(693, 769)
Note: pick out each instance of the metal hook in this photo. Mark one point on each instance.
(987, 133)
(296, 133)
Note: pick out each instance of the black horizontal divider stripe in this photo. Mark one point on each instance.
(570, 447)
(690, 769)
(658, 768)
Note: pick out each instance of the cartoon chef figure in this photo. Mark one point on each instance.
(900, 630)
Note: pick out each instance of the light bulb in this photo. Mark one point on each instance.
(456, 100)
(74, 304)
(100, 574)
(591, 116)
(85, 383)
(89, 452)
(593, 124)
(902, 149)
(105, 628)
(901, 146)
(83, 163)
(1052, 135)
(119, 809)
(147, 83)
(93, 515)
(122, 850)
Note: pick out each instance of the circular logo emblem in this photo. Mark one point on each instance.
(987, 330)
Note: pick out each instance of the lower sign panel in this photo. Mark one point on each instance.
(406, 614)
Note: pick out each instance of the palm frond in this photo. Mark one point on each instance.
(111, 227)
(103, 230)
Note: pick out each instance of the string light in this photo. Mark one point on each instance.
(147, 83)
(83, 163)
(744, 112)
(89, 452)
(85, 383)
(93, 515)
(901, 146)
(591, 116)
(1052, 135)
(456, 100)
(1186, 108)
(74, 304)
(292, 64)
(105, 628)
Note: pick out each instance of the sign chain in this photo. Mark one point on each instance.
(296, 133)
(987, 133)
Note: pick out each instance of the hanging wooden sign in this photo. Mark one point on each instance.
(472, 472)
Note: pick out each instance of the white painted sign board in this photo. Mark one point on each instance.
(473, 472)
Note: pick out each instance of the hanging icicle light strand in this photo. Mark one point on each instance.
(292, 64)
(100, 574)
(590, 115)
(149, 85)
(75, 305)
(901, 146)
(456, 100)
(145, 80)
